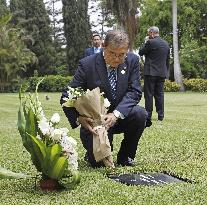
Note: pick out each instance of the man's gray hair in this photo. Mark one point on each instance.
(116, 38)
(153, 29)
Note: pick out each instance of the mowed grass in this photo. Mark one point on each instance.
(178, 145)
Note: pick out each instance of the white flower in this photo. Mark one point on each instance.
(70, 96)
(65, 131)
(106, 103)
(55, 118)
(56, 134)
(72, 141)
(44, 127)
(68, 146)
(38, 137)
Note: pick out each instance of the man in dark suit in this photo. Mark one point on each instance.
(96, 42)
(116, 73)
(156, 65)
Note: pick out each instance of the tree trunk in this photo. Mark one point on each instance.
(177, 69)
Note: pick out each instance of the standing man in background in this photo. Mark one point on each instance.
(156, 66)
(96, 42)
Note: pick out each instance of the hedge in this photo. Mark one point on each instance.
(51, 83)
(57, 83)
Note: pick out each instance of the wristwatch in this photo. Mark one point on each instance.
(116, 114)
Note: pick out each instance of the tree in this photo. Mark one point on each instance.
(58, 38)
(14, 56)
(77, 31)
(105, 19)
(31, 15)
(125, 11)
(3, 8)
(177, 69)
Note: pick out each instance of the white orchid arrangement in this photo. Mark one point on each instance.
(53, 151)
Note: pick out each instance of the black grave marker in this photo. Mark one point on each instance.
(147, 179)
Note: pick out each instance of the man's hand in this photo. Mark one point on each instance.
(146, 39)
(109, 120)
(87, 123)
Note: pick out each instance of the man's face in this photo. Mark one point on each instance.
(151, 35)
(97, 41)
(115, 56)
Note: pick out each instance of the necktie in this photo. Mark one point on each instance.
(112, 81)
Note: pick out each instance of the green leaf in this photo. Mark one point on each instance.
(38, 152)
(7, 174)
(69, 103)
(21, 121)
(52, 154)
(58, 167)
(55, 152)
(5, 19)
(71, 181)
(31, 123)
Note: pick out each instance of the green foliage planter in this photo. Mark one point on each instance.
(52, 151)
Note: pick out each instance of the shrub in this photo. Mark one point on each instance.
(170, 86)
(196, 84)
(51, 83)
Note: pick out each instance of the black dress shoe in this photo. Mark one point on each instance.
(96, 164)
(160, 118)
(126, 162)
(86, 158)
(148, 123)
(92, 162)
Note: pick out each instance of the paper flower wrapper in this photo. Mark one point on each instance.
(91, 105)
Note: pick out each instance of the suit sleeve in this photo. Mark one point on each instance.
(77, 81)
(133, 94)
(144, 48)
(86, 52)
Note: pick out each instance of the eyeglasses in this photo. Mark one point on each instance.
(115, 55)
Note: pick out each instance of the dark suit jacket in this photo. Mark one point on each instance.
(156, 53)
(92, 73)
(89, 51)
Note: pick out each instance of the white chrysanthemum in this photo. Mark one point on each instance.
(55, 118)
(56, 134)
(44, 127)
(106, 103)
(68, 146)
(73, 160)
(65, 131)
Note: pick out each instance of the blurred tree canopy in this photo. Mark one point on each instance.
(14, 55)
(77, 31)
(33, 18)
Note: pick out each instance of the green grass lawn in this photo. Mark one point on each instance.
(178, 145)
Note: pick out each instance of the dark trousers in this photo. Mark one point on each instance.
(154, 87)
(132, 127)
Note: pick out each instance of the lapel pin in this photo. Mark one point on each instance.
(123, 72)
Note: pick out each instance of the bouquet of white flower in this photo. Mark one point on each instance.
(52, 151)
(93, 105)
